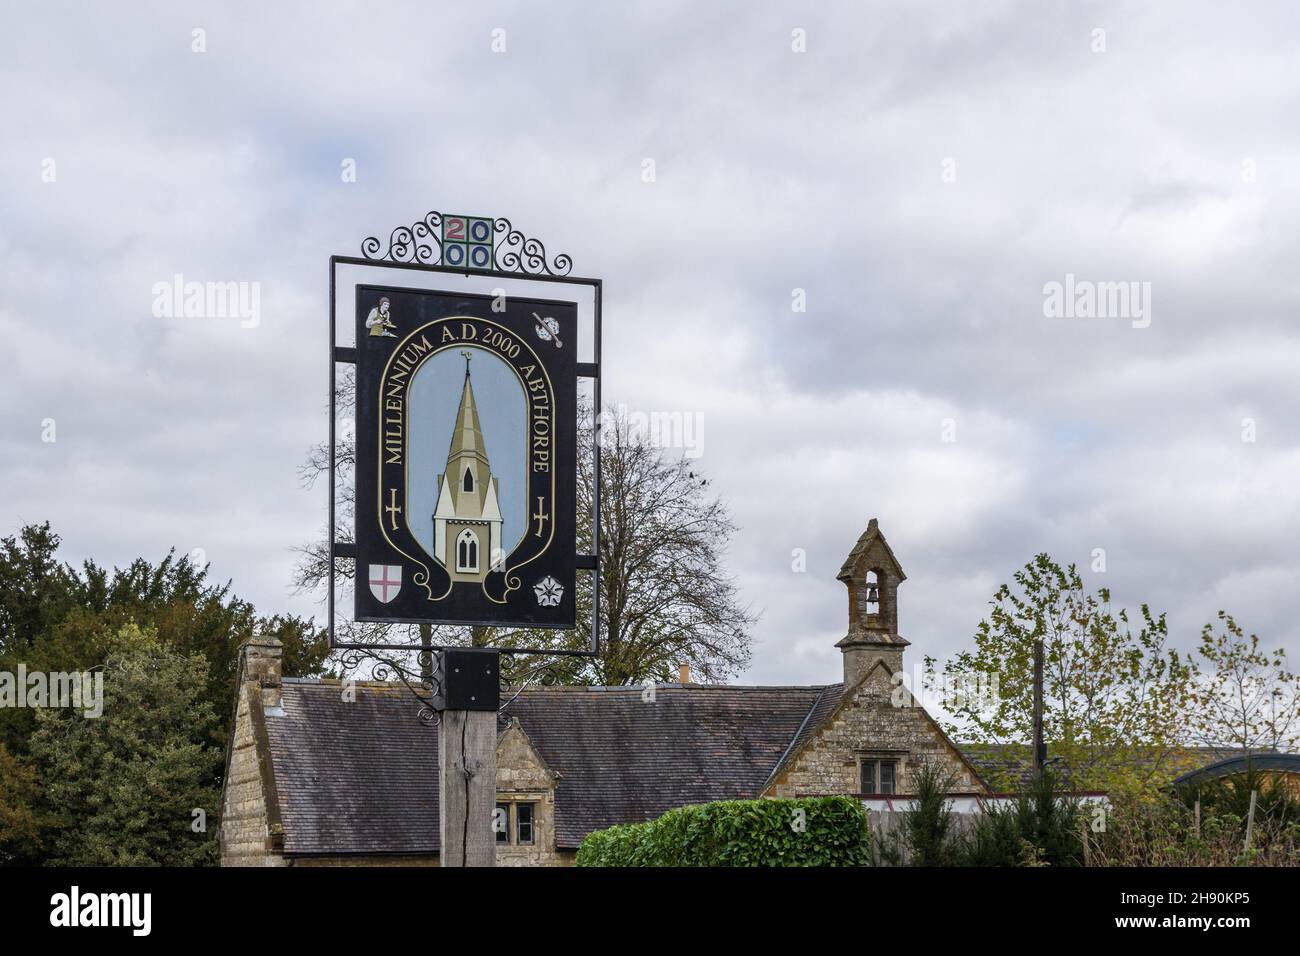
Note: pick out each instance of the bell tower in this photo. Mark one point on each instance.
(872, 575)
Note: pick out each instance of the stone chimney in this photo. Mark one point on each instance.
(872, 575)
(261, 665)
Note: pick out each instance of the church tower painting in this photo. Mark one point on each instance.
(467, 521)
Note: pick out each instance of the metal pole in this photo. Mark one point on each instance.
(1040, 745)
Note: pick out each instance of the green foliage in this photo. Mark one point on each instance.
(1249, 698)
(35, 589)
(1039, 829)
(993, 839)
(1049, 822)
(928, 838)
(815, 831)
(122, 788)
(54, 617)
(19, 823)
(1231, 796)
(1166, 831)
(57, 618)
(1114, 693)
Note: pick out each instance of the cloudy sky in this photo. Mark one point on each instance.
(921, 171)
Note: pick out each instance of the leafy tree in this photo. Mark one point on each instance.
(20, 825)
(35, 588)
(1245, 698)
(59, 618)
(123, 788)
(1114, 694)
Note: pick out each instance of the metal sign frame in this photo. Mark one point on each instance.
(514, 256)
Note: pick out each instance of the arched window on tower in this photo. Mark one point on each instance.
(468, 483)
(873, 593)
(467, 551)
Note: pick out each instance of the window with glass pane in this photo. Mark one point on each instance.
(878, 776)
(501, 822)
(887, 776)
(524, 822)
(868, 776)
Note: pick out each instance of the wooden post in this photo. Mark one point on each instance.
(467, 702)
(1250, 821)
(467, 787)
(1196, 817)
(1040, 746)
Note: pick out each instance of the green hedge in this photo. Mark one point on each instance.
(831, 831)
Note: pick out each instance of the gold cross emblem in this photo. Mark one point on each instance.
(541, 517)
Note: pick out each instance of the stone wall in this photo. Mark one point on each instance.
(523, 777)
(244, 822)
(869, 723)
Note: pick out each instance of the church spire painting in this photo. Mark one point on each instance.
(467, 522)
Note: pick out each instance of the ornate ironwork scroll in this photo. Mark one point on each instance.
(421, 243)
(423, 686)
(543, 675)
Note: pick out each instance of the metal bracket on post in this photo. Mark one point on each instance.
(467, 702)
(470, 679)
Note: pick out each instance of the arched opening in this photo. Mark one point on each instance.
(468, 482)
(467, 551)
(872, 605)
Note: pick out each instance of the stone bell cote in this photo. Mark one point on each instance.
(872, 575)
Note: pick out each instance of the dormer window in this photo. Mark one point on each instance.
(524, 831)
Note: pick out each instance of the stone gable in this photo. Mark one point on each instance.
(524, 777)
(868, 722)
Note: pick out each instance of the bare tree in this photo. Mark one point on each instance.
(1248, 698)
(666, 598)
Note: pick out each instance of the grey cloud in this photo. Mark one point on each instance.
(776, 171)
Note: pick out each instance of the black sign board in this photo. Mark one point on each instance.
(465, 458)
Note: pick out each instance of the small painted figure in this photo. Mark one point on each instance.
(379, 322)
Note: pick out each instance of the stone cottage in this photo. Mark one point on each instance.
(318, 777)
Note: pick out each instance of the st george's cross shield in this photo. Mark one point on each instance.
(385, 581)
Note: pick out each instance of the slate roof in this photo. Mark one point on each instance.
(362, 777)
(622, 760)
(864, 542)
(358, 777)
